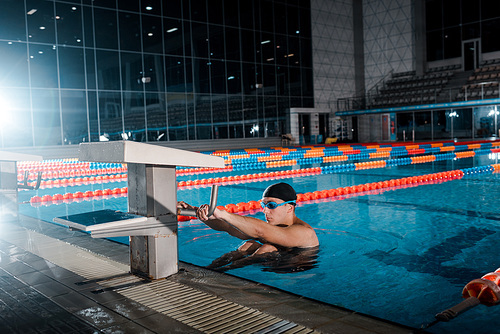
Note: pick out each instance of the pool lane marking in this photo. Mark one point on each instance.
(445, 176)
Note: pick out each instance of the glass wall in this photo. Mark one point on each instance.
(76, 71)
(449, 22)
(450, 124)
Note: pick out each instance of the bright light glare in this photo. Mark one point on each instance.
(104, 137)
(493, 112)
(5, 113)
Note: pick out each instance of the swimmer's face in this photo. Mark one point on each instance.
(277, 215)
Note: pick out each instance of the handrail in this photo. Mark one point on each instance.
(348, 103)
(211, 206)
(25, 182)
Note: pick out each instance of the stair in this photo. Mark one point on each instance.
(453, 87)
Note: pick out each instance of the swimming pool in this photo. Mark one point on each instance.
(403, 254)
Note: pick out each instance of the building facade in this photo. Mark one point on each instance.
(77, 71)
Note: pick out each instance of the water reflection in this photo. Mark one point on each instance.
(281, 262)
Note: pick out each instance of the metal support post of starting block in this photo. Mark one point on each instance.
(8, 182)
(151, 221)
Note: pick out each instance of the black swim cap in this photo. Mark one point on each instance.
(282, 191)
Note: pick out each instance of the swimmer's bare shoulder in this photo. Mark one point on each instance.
(309, 233)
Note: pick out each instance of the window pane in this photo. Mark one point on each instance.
(130, 32)
(452, 43)
(293, 20)
(104, 3)
(451, 15)
(43, 65)
(441, 126)
(153, 73)
(266, 16)
(281, 50)
(232, 44)
(435, 45)
(470, 11)
(230, 8)
(248, 45)
(152, 34)
(490, 9)
(269, 80)
(202, 76)
(433, 14)
(71, 69)
(14, 65)
(93, 116)
(249, 78)
(490, 33)
(198, 10)
(16, 125)
(132, 72)
(173, 8)
(173, 35)
(41, 23)
(216, 40)
(151, 7)
(233, 77)
(218, 76)
(203, 117)
(470, 31)
(90, 69)
(156, 117)
(246, 7)
(134, 116)
(46, 117)
(110, 116)
(199, 45)
(108, 70)
(423, 126)
(131, 6)
(215, 11)
(294, 51)
(74, 117)
(106, 36)
(220, 116)
(174, 69)
(12, 16)
(69, 24)
(88, 26)
(176, 113)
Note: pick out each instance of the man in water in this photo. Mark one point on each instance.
(282, 229)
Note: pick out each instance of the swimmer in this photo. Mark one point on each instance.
(282, 229)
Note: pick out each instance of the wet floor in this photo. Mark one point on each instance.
(54, 280)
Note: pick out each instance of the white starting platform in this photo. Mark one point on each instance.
(151, 221)
(8, 182)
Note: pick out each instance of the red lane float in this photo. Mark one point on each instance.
(484, 290)
(251, 177)
(68, 197)
(346, 192)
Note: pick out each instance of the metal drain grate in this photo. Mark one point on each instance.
(200, 310)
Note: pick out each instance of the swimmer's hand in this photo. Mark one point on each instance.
(184, 205)
(202, 213)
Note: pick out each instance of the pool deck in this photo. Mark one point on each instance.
(54, 280)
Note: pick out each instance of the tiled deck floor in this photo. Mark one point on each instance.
(39, 296)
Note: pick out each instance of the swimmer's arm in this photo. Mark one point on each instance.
(217, 224)
(292, 236)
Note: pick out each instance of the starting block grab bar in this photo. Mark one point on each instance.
(211, 207)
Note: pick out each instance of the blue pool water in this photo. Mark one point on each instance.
(402, 255)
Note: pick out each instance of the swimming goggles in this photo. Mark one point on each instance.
(273, 205)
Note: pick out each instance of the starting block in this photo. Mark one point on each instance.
(151, 222)
(8, 182)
